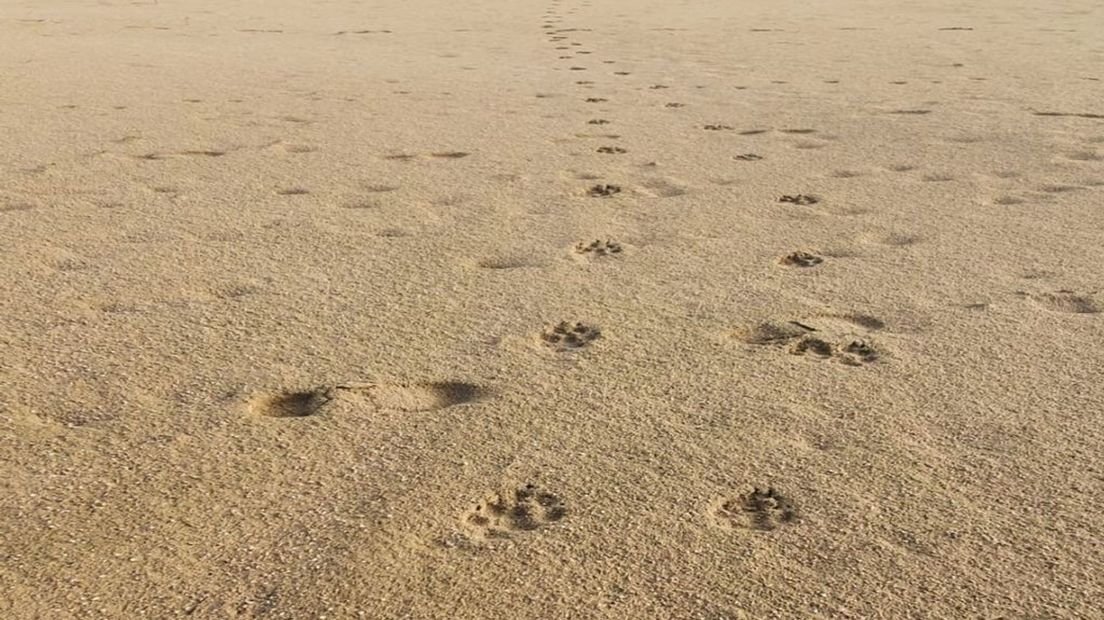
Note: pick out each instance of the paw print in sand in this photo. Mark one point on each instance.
(854, 353)
(603, 191)
(565, 336)
(754, 509)
(801, 259)
(598, 248)
(501, 515)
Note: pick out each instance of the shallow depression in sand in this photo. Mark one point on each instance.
(422, 396)
(288, 404)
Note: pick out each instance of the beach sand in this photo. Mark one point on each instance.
(559, 309)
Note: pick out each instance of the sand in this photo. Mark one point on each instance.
(560, 309)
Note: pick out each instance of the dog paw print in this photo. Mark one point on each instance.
(603, 191)
(799, 199)
(566, 336)
(527, 509)
(801, 259)
(857, 353)
(853, 353)
(811, 345)
(762, 509)
(598, 248)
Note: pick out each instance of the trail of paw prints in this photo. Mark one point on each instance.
(571, 56)
(754, 508)
(844, 338)
(507, 515)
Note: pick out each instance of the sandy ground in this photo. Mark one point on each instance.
(551, 309)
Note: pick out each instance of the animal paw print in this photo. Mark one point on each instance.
(842, 337)
(799, 199)
(801, 259)
(674, 104)
(812, 345)
(755, 509)
(502, 516)
(612, 150)
(857, 353)
(717, 128)
(598, 121)
(854, 353)
(565, 336)
(748, 157)
(598, 248)
(596, 99)
(603, 191)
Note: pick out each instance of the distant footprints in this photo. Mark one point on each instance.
(755, 508)
(503, 515)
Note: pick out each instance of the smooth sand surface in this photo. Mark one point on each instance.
(317, 309)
